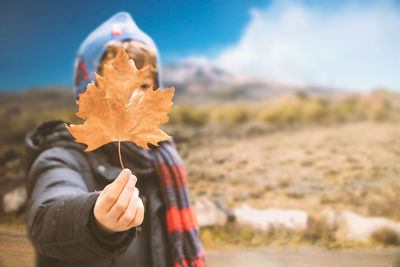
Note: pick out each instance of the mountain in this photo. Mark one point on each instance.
(203, 81)
(197, 71)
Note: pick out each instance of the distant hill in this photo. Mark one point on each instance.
(194, 79)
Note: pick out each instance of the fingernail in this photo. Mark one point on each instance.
(127, 172)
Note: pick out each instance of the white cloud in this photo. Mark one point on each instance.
(353, 46)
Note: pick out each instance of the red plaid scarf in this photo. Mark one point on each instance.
(182, 226)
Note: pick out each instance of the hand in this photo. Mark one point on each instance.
(118, 207)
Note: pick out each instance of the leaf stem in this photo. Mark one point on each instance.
(119, 153)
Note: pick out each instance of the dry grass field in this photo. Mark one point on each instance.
(299, 152)
(348, 167)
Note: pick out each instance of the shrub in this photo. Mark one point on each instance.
(317, 110)
(386, 236)
(288, 111)
(188, 116)
(233, 115)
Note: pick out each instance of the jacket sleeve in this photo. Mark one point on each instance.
(60, 217)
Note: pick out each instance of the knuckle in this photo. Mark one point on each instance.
(130, 186)
(126, 218)
(138, 220)
(119, 206)
(133, 223)
(111, 197)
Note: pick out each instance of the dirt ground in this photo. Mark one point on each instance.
(15, 250)
(344, 167)
(302, 257)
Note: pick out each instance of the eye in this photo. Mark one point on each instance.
(145, 86)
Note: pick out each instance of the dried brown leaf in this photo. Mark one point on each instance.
(117, 109)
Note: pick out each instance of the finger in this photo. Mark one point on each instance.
(102, 206)
(104, 192)
(119, 183)
(139, 215)
(130, 212)
(135, 193)
(114, 189)
(121, 204)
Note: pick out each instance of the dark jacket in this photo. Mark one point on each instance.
(63, 184)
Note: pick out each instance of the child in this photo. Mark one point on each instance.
(83, 210)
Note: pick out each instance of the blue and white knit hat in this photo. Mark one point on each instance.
(119, 27)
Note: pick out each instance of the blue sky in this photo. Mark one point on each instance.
(344, 44)
(40, 38)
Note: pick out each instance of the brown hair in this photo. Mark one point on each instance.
(141, 54)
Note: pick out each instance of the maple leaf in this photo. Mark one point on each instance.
(117, 109)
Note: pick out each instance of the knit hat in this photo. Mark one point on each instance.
(119, 27)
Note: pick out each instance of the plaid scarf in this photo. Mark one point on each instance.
(183, 231)
(164, 161)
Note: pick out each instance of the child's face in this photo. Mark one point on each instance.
(148, 80)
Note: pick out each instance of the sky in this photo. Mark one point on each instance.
(343, 44)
